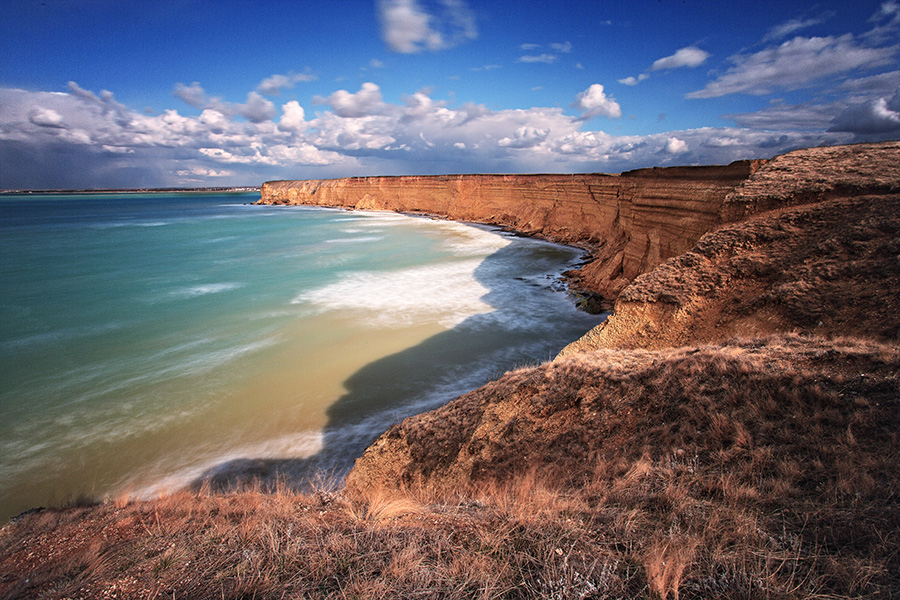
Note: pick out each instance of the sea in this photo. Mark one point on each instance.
(151, 342)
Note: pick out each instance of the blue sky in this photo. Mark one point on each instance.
(105, 93)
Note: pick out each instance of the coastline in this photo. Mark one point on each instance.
(730, 429)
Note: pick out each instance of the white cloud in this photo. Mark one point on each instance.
(408, 28)
(214, 120)
(272, 85)
(690, 56)
(564, 47)
(794, 64)
(525, 137)
(883, 83)
(539, 58)
(257, 109)
(788, 27)
(634, 80)
(367, 101)
(193, 94)
(593, 102)
(528, 47)
(204, 172)
(292, 117)
(888, 22)
(685, 57)
(675, 146)
(46, 117)
(109, 145)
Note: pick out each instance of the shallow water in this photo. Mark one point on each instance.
(150, 340)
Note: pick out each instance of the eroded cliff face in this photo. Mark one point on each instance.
(629, 223)
(811, 243)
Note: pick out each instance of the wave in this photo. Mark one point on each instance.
(445, 293)
(295, 446)
(355, 240)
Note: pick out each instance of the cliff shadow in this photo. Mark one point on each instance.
(529, 322)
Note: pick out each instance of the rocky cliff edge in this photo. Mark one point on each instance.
(629, 223)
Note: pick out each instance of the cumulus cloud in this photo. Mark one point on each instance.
(593, 102)
(525, 137)
(685, 57)
(794, 64)
(107, 144)
(878, 116)
(407, 27)
(293, 117)
(193, 94)
(564, 47)
(367, 101)
(256, 109)
(675, 146)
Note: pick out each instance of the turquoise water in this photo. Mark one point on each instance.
(150, 341)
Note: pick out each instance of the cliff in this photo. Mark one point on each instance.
(811, 243)
(817, 252)
(629, 222)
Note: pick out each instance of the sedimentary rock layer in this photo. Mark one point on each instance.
(629, 222)
(810, 242)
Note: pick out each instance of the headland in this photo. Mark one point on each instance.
(729, 431)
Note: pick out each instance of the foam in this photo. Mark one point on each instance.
(294, 446)
(204, 289)
(355, 240)
(444, 293)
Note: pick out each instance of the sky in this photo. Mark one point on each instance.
(170, 93)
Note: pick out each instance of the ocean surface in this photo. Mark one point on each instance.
(153, 341)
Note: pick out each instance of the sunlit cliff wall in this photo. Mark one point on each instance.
(629, 222)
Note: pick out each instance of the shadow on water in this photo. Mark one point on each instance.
(521, 329)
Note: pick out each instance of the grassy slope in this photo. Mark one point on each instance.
(828, 268)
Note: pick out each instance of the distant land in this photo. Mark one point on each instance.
(200, 190)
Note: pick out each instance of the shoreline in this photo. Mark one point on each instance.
(731, 427)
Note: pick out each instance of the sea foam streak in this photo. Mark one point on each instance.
(204, 289)
(447, 294)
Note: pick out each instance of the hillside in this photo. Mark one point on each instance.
(729, 432)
